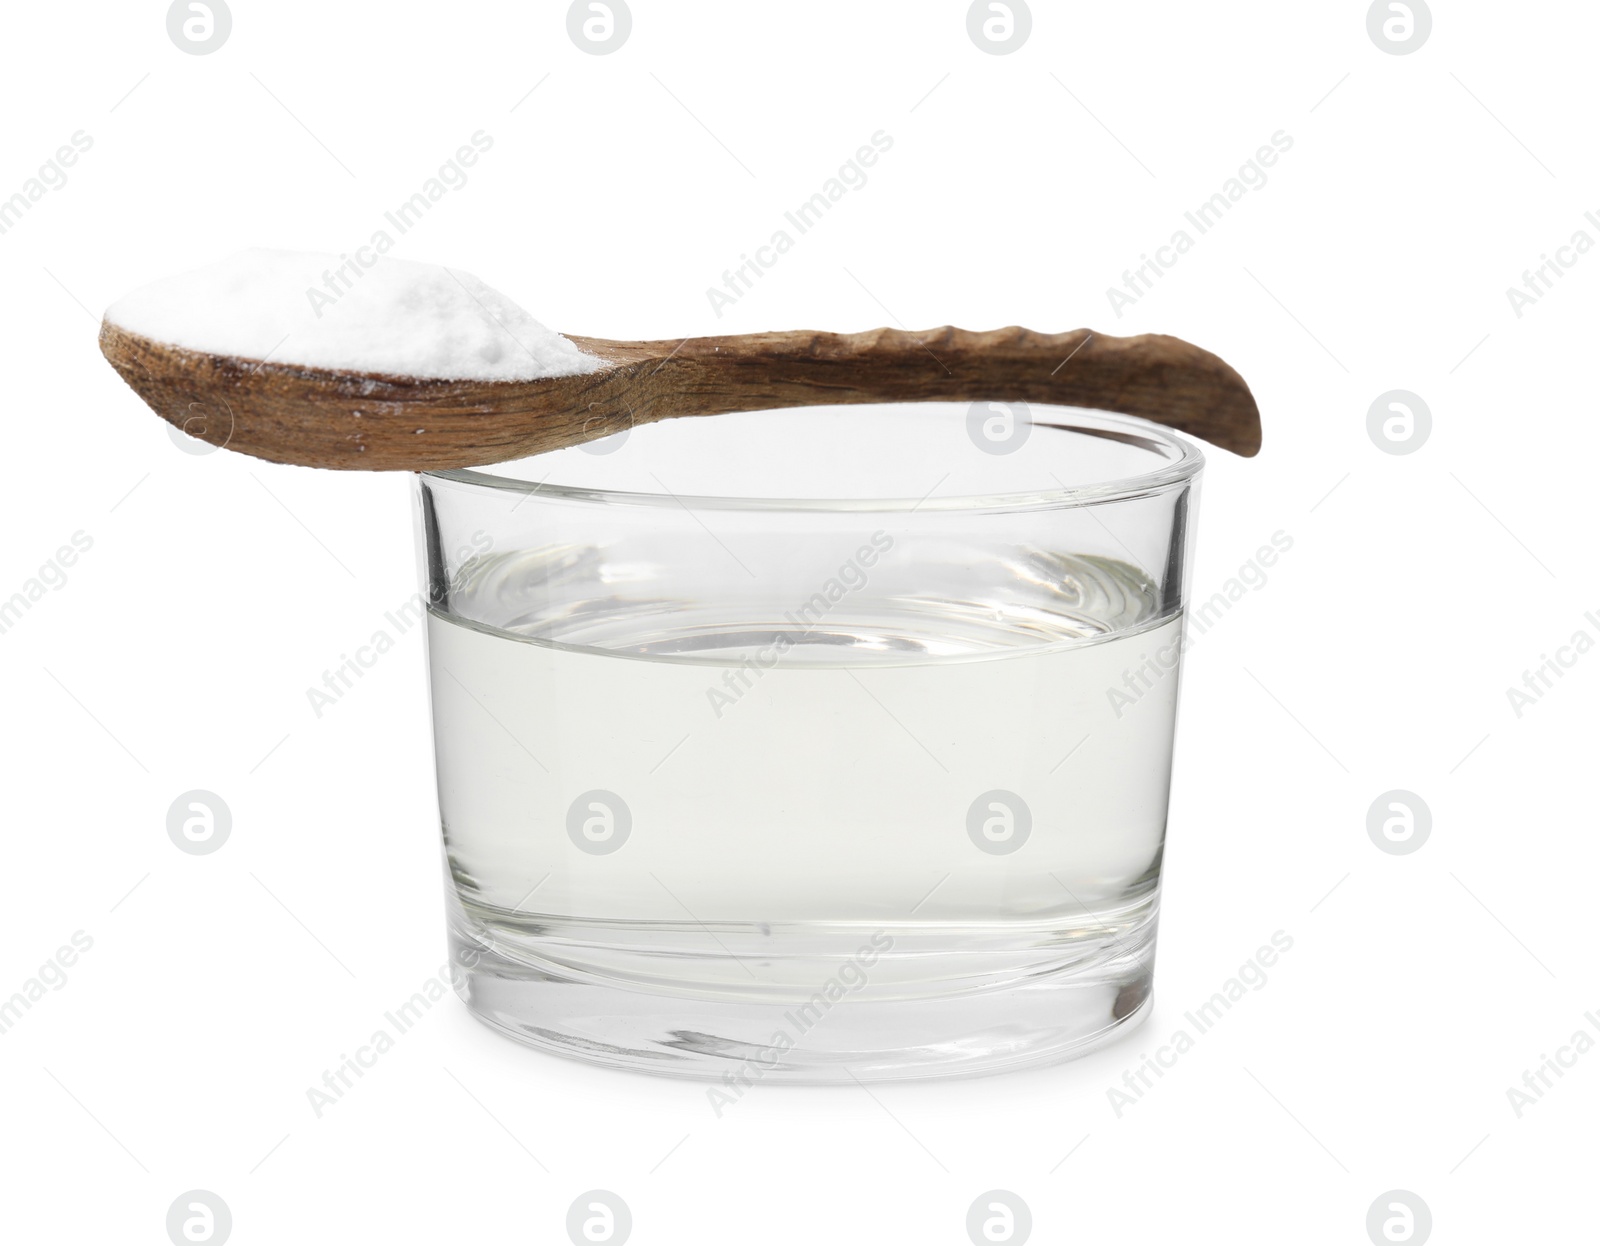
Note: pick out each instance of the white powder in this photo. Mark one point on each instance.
(394, 316)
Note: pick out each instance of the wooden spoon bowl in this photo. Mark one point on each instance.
(320, 417)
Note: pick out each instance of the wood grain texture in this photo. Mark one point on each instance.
(364, 421)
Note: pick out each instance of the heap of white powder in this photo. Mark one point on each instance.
(362, 313)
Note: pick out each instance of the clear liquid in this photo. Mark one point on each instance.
(905, 835)
(767, 813)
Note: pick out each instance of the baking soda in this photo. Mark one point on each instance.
(361, 313)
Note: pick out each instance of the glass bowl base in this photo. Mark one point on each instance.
(694, 1020)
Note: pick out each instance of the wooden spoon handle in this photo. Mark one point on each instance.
(1164, 379)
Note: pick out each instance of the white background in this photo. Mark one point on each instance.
(1019, 187)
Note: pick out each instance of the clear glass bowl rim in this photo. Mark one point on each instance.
(1184, 463)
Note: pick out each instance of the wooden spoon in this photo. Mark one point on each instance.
(321, 417)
